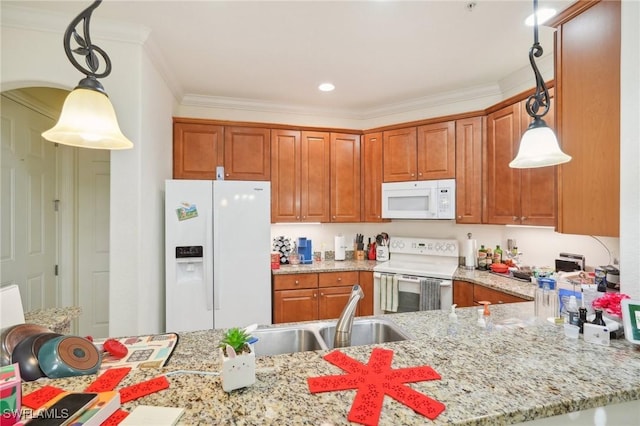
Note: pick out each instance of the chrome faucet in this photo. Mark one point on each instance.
(345, 322)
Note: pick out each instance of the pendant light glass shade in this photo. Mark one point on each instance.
(88, 120)
(538, 148)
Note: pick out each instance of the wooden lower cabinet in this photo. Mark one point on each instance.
(466, 294)
(318, 296)
(295, 305)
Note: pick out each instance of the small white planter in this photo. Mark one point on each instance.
(238, 372)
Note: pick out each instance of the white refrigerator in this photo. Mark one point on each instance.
(217, 243)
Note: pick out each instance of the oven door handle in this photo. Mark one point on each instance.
(414, 279)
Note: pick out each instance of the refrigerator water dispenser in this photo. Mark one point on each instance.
(189, 265)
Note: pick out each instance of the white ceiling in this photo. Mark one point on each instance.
(377, 53)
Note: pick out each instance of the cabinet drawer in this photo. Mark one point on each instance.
(333, 279)
(295, 281)
(481, 293)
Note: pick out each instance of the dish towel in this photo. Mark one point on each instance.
(389, 293)
(429, 294)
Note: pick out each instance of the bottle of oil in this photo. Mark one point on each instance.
(489, 257)
(482, 258)
(497, 254)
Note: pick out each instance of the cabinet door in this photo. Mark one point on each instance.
(371, 170)
(345, 177)
(469, 170)
(285, 176)
(247, 153)
(315, 191)
(366, 282)
(399, 155)
(295, 305)
(462, 294)
(338, 279)
(295, 281)
(332, 301)
(588, 117)
(436, 153)
(481, 294)
(502, 189)
(538, 186)
(197, 150)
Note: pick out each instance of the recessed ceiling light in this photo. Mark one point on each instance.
(326, 87)
(543, 16)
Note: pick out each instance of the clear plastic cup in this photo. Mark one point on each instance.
(571, 331)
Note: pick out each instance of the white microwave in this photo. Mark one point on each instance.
(423, 199)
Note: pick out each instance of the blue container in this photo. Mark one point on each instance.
(305, 251)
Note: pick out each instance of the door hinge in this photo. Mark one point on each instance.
(55, 270)
(56, 205)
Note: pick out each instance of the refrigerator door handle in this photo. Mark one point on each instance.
(210, 295)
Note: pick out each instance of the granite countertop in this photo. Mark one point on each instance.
(505, 284)
(521, 370)
(57, 320)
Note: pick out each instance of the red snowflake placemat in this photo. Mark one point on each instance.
(375, 380)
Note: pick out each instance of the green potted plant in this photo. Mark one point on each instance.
(238, 360)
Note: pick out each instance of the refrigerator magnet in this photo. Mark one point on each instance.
(187, 211)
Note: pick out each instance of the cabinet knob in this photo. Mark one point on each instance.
(413, 174)
(315, 295)
(420, 174)
(321, 294)
(334, 217)
(304, 217)
(523, 218)
(297, 282)
(515, 218)
(226, 174)
(297, 217)
(339, 278)
(459, 217)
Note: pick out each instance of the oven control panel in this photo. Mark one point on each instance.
(424, 246)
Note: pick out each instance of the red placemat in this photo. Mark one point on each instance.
(38, 398)
(141, 389)
(108, 380)
(375, 380)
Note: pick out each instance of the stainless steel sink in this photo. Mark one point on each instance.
(367, 332)
(285, 340)
(319, 335)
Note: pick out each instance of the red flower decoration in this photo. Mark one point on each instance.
(610, 303)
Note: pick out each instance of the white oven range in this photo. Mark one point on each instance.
(418, 275)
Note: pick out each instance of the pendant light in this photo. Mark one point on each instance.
(538, 146)
(88, 119)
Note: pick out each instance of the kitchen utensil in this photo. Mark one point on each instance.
(67, 356)
(26, 355)
(11, 336)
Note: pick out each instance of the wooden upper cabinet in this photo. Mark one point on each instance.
(587, 70)
(469, 170)
(538, 186)
(285, 175)
(516, 196)
(371, 170)
(315, 188)
(400, 154)
(345, 177)
(502, 197)
(436, 151)
(197, 150)
(247, 153)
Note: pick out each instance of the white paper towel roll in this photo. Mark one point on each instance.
(470, 254)
(340, 248)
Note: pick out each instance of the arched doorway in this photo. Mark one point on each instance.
(55, 213)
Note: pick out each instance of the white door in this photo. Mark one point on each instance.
(27, 216)
(93, 241)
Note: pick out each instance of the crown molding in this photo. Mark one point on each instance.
(444, 98)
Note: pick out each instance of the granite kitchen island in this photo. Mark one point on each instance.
(519, 371)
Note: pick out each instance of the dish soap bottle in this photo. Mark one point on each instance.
(453, 322)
